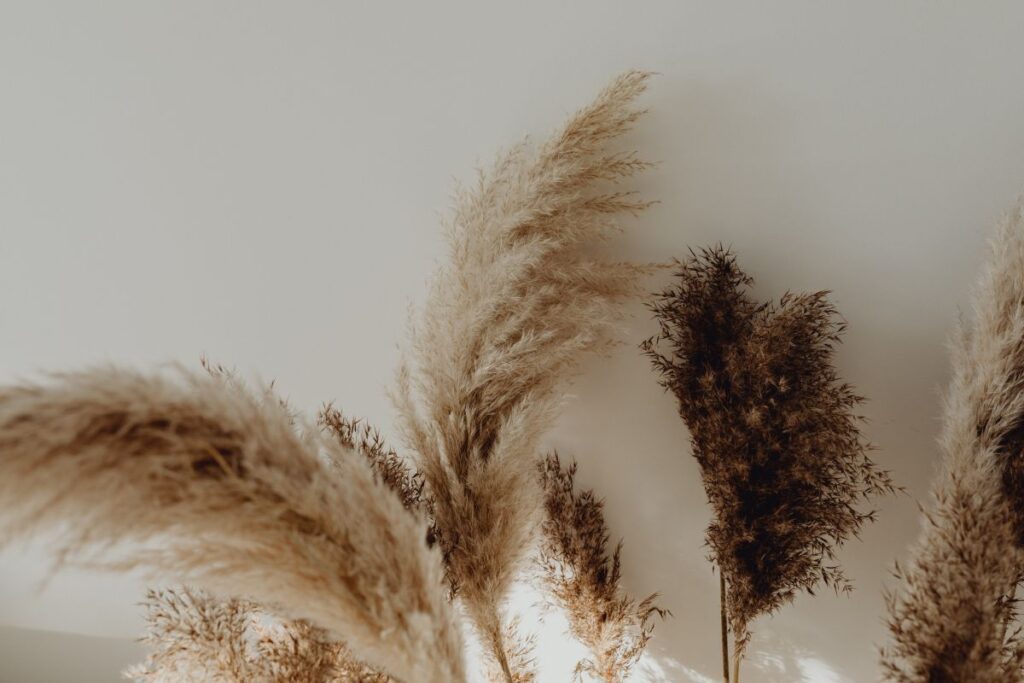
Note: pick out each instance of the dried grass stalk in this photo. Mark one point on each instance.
(773, 430)
(504, 326)
(584, 579)
(195, 636)
(225, 494)
(953, 615)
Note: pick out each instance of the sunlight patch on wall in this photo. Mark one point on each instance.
(814, 670)
(782, 661)
(660, 669)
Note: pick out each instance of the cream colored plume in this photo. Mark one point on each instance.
(503, 328)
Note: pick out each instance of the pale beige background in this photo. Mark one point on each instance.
(260, 182)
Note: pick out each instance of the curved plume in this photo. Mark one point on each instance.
(224, 494)
(504, 326)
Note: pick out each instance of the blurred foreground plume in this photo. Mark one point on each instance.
(952, 617)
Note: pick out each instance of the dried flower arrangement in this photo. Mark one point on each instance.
(773, 431)
(317, 553)
(953, 617)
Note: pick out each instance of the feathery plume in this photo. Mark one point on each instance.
(953, 617)
(503, 328)
(773, 429)
(584, 579)
(290, 651)
(392, 470)
(224, 493)
(195, 636)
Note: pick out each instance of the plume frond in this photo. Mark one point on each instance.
(196, 636)
(953, 614)
(584, 578)
(392, 470)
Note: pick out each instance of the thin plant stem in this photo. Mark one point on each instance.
(725, 628)
(506, 670)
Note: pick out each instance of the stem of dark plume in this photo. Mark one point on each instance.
(725, 628)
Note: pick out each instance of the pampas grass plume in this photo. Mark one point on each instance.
(503, 328)
(224, 493)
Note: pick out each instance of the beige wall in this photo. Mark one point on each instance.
(260, 182)
(28, 656)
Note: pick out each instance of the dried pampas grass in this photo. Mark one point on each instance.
(952, 617)
(504, 326)
(195, 636)
(391, 469)
(584, 578)
(519, 650)
(774, 431)
(224, 493)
